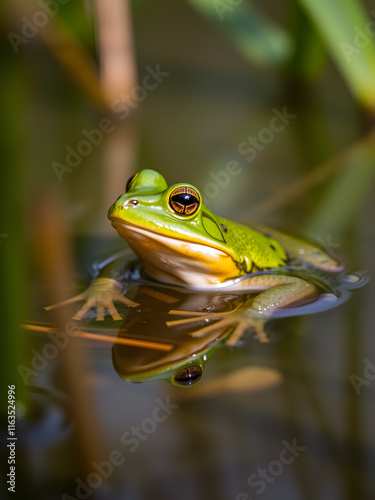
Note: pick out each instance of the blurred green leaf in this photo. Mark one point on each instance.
(257, 38)
(359, 156)
(13, 242)
(346, 195)
(346, 29)
(309, 56)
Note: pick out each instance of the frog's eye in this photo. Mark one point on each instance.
(184, 200)
(188, 376)
(128, 184)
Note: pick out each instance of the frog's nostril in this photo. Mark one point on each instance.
(132, 203)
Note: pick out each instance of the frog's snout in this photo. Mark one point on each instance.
(117, 207)
(110, 211)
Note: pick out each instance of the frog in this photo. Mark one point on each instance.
(181, 242)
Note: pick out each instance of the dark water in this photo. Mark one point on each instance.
(264, 418)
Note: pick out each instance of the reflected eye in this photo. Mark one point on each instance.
(184, 200)
(128, 184)
(189, 376)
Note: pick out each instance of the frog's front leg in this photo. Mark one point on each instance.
(103, 292)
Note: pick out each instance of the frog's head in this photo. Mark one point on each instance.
(179, 358)
(137, 368)
(177, 238)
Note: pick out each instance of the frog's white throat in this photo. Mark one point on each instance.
(176, 260)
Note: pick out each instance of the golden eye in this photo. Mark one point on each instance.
(131, 179)
(184, 200)
(188, 376)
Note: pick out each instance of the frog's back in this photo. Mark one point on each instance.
(253, 250)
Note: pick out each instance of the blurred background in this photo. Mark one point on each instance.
(268, 109)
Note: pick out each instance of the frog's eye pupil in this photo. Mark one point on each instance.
(184, 200)
(189, 376)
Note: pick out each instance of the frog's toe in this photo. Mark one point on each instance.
(76, 298)
(205, 330)
(125, 300)
(100, 313)
(194, 317)
(218, 325)
(260, 334)
(236, 335)
(84, 309)
(113, 311)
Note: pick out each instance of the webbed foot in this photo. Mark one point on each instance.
(238, 320)
(101, 294)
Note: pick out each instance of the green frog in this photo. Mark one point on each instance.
(180, 242)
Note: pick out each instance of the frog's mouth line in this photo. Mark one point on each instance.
(180, 245)
(193, 263)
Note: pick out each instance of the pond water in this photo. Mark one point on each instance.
(287, 418)
(264, 417)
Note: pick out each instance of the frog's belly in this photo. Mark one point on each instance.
(178, 261)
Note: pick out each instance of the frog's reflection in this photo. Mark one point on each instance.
(153, 345)
(164, 352)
